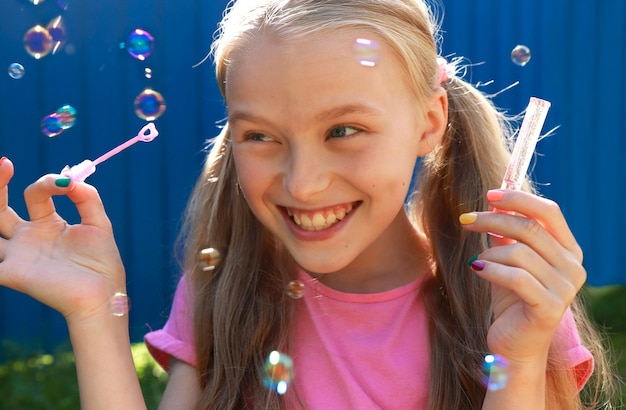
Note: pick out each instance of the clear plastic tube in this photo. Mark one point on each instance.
(524, 148)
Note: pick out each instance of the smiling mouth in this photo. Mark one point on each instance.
(320, 219)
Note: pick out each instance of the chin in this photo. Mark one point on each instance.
(321, 267)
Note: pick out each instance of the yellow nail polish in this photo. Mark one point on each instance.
(468, 218)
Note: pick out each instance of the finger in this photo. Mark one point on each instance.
(90, 206)
(520, 229)
(546, 212)
(564, 283)
(8, 218)
(544, 305)
(40, 205)
(38, 198)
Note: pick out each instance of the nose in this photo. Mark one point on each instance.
(307, 173)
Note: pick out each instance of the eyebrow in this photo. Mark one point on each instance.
(333, 113)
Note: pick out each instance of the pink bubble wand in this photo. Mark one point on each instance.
(80, 172)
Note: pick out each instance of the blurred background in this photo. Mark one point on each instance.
(93, 72)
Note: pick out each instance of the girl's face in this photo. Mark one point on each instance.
(325, 147)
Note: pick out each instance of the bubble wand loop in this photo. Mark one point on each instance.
(80, 172)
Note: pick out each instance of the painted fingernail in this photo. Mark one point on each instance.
(478, 265)
(63, 182)
(471, 260)
(468, 218)
(2, 160)
(495, 195)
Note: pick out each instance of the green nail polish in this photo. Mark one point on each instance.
(471, 260)
(63, 182)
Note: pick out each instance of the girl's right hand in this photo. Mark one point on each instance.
(74, 269)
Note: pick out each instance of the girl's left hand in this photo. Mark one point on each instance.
(535, 273)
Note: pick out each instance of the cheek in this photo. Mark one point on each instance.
(253, 180)
(398, 168)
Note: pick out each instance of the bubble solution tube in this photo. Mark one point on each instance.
(524, 148)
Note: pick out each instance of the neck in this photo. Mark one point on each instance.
(383, 268)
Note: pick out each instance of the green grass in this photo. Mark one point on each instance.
(38, 381)
(607, 307)
(48, 381)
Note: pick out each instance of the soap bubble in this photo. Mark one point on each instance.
(56, 28)
(520, 55)
(495, 370)
(148, 72)
(38, 42)
(67, 116)
(278, 372)
(140, 44)
(366, 51)
(295, 289)
(63, 4)
(119, 305)
(208, 258)
(16, 71)
(149, 105)
(51, 125)
(36, 2)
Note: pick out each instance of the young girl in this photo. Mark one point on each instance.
(330, 104)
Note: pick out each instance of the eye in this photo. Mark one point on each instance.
(342, 131)
(259, 137)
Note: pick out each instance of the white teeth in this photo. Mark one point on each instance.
(317, 221)
(305, 221)
(331, 219)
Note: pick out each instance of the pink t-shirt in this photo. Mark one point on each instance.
(365, 351)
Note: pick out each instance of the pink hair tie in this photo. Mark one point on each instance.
(444, 70)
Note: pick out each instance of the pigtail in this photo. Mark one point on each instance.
(240, 308)
(452, 180)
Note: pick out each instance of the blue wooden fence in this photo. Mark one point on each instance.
(578, 63)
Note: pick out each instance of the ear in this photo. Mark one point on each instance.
(436, 121)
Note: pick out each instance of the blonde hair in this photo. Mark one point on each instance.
(241, 311)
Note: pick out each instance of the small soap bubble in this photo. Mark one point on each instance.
(208, 258)
(295, 289)
(140, 44)
(56, 28)
(495, 371)
(148, 72)
(36, 2)
(67, 116)
(149, 105)
(278, 372)
(16, 71)
(38, 42)
(119, 305)
(367, 51)
(51, 125)
(520, 55)
(63, 4)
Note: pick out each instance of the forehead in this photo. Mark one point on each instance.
(337, 61)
